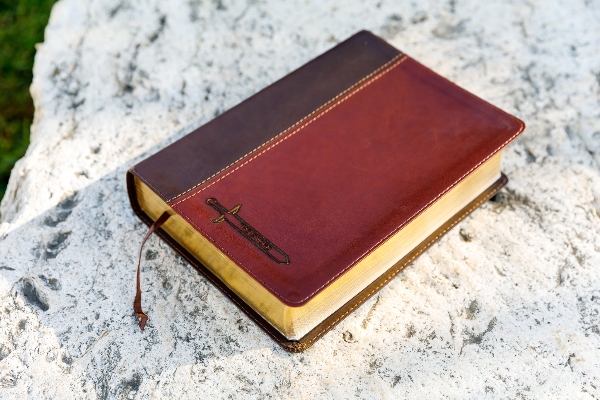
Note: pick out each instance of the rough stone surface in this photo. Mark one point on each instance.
(506, 305)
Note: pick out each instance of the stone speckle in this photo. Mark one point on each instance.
(33, 295)
(506, 305)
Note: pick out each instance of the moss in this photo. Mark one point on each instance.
(22, 24)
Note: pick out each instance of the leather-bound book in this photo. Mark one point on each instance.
(305, 199)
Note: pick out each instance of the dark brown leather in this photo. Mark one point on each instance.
(327, 164)
(137, 301)
(214, 146)
(309, 339)
(332, 189)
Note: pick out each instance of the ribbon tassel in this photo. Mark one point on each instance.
(137, 302)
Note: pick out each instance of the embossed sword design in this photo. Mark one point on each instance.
(257, 238)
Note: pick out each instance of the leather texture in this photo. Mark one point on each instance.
(297, 346)
(212, 147)
(334, 187)
(326, 163)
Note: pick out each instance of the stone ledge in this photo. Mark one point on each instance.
(506, 305)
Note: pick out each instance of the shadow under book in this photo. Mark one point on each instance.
(305, 199)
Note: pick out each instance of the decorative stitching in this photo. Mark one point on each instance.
(299, 122)
(362, 255)
(218, 245)
(298, 346)
(376, 244)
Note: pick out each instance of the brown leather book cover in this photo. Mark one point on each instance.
(304, 180)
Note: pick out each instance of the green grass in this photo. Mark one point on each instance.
(22, 25)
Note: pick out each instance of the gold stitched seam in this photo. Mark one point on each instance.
(300, 346)
(358, 89)
(290, 127)
(205, 234)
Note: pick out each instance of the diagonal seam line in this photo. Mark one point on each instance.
(291, 127)
(276, 293)
(340, 101)
(382, 240)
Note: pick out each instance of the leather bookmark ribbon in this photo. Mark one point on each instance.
(137, 302)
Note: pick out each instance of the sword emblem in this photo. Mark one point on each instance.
(254, 236)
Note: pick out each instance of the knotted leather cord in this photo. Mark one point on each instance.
(137, 302)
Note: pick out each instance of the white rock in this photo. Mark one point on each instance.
(506, 305)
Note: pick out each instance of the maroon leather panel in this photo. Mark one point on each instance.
(331, 190)
(212, 147)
